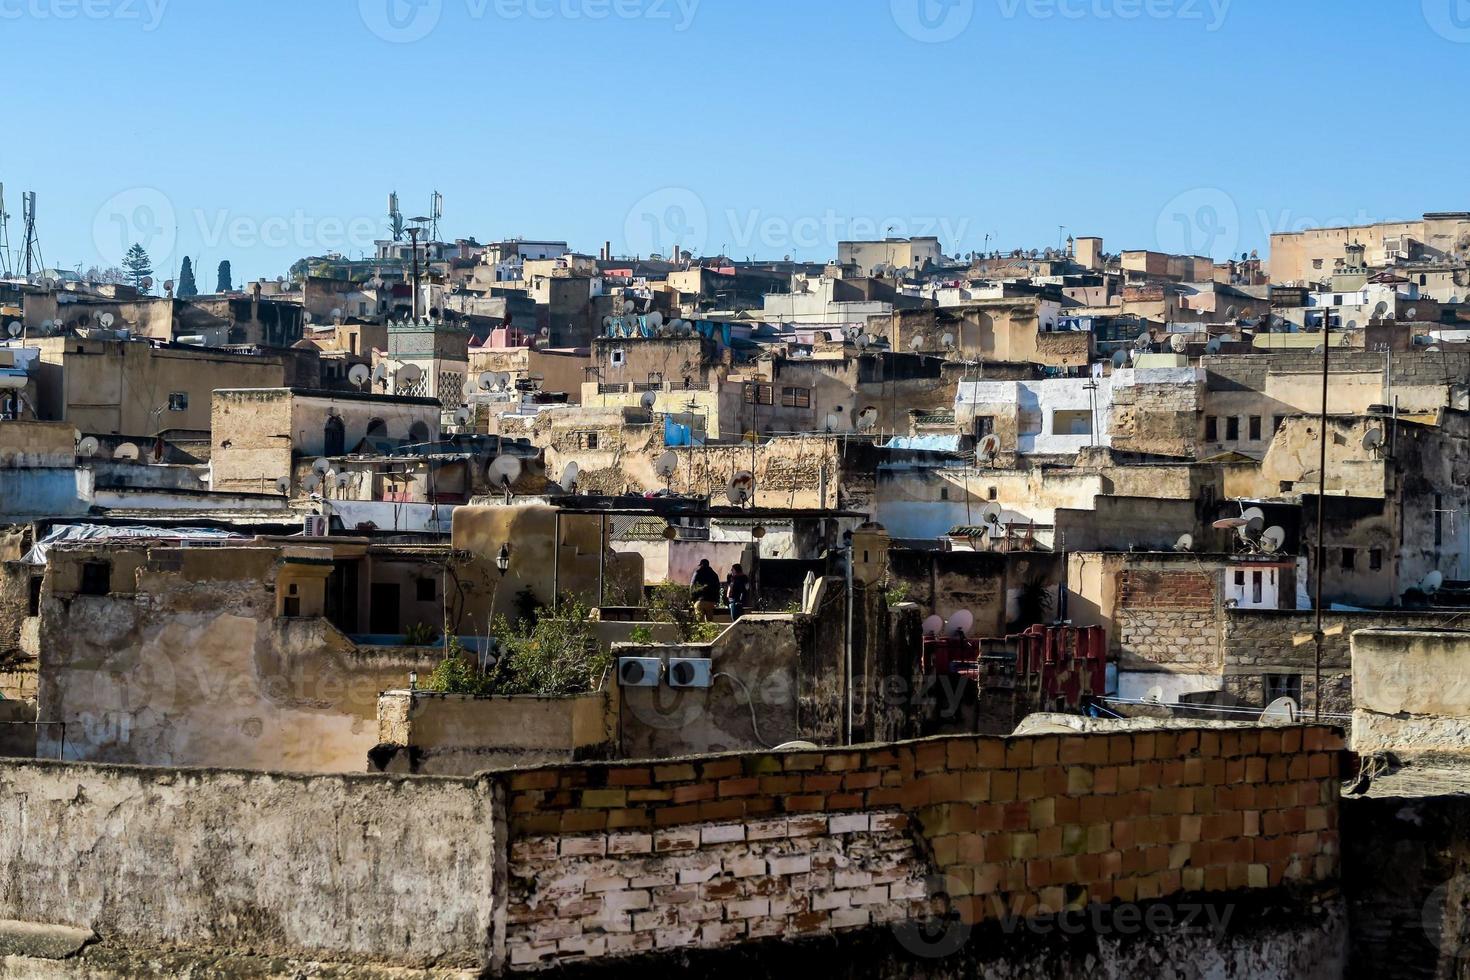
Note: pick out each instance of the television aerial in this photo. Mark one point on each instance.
(360, 374)
(741, 488)
(961, 623)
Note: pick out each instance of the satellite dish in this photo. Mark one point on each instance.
(1185, 543)
(862, 342)
(1372, 439)
(833, 423)
(88, 447)
(990, 513)
(410, 373)
(1381, 308)
(380, 372)
(147, 282)
(1120, 359)
(321, 466)
(306, 317)
(1155, 695)
(655, 319)
(360, 374)
(741, 488)
(463, 416)
(1412, 312)
(649, 399)
(627, 306)
(311, 482)
(867, 420)
(1432, 582)
(106, 319)
(337, 313)
(947, 340)
(342, 480)
(14, 328)
(1214, 346)
(666, 465)
(1143, 341)
(990, 446)
(1255, 518)
(569, 477)
(1282, 710)
(503, 471)
(487, 381)
(469, 389)
(125, 451)
(1230, 524)
(1273, 538)
(961, 622)
(283, 485)
(917, 343)
(933, 625)
(1178, 343)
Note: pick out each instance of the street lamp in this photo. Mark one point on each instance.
(502, 560)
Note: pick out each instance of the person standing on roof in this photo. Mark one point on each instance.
(737, 591)
(704, 587)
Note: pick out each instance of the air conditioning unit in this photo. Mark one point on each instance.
(690, 672)
(639, 671)
(315, 526)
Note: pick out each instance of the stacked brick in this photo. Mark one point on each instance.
(614, 859)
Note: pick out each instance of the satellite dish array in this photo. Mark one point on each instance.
(959, 625)
(1252, 533)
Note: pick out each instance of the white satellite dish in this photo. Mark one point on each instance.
(88, 447)
(306, 317)
(337, 313)
(380, 372)
(1372, 439)
(666, 465)
(1272, 539)
(125, 451)
(1432, 582)
(487, 381)
(1281, 710)
(311, 483)
(106, 319)
(14, 328)
(834, 423)
(463, 416)
(989, 446)
(741, 488)
(469, 389)
(917, 343)
(1178, 343)
(360, 374)
(503, 471)
(569, 477)
(867, 420)
(1412, 312)
(1185, 543)
(933, 625)
(947, 340)
(321, 465)
(1155, 695)
(990, 513)
(961, 623)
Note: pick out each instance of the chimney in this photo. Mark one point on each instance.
(255, 302)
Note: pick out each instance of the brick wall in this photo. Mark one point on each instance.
(617, 859)
(1168, 619)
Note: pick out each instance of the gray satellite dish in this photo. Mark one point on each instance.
(1273, 538)
(1432, 582)
(360, 375)
(933, 625)
(649, 399)
(503, 471)
(1255, 518)
(283, 485)
(1120, 359)
(990, 513)
(410, 373)
(1372, 439)
(961, 623)
(666, 465)
(321, 465)
(106, 319)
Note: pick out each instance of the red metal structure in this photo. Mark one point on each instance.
(1050, 667)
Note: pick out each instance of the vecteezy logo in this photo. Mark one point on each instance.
(1450, 19)
(400, 21)
(667, 219)
(932, 21)
(137, 216)
(1203, 221)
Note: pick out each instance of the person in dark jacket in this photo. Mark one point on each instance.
(737, 591)
(705, 589)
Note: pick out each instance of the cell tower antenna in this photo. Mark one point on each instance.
(436, 211)
(395, 217)
(32, 244)
(5, 268)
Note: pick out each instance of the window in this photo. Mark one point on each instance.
(619, 356)
(1282, 686)
(178, 401)
(1375, 559)
(586, 440)
(1212, 429)
(1276, 421)
(96, 577)
(1286, 486)
(991, 494)
(796, 398)
(1240, 578)
(1256, 587)
(1337, 299)
(758, 394)
(33, 608)
(944, 493)
(1316, 263)
(292, 605)
(1232, 429)
(1255, 428)
(1071, 423)
(1349, 558)
(425, 591)
(984, 425)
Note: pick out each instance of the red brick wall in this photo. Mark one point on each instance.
(1166, 590)
(1013, 824)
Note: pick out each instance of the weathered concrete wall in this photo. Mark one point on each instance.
(1395, 708)
(458, 735)
(371, 868)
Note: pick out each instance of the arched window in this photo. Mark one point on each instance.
(418, 433)
(377, 429)
(334, 438)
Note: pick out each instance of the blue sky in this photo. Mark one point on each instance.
(263, 131)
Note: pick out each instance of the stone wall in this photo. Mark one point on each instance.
(1167, 619)
(345, 868)
(1394, 709)
(1258, 642)
(613, 860)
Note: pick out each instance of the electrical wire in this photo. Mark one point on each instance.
(750, 703)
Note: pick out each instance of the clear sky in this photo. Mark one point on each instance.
(268, 130)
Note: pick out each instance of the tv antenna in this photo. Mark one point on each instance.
(32, 247)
